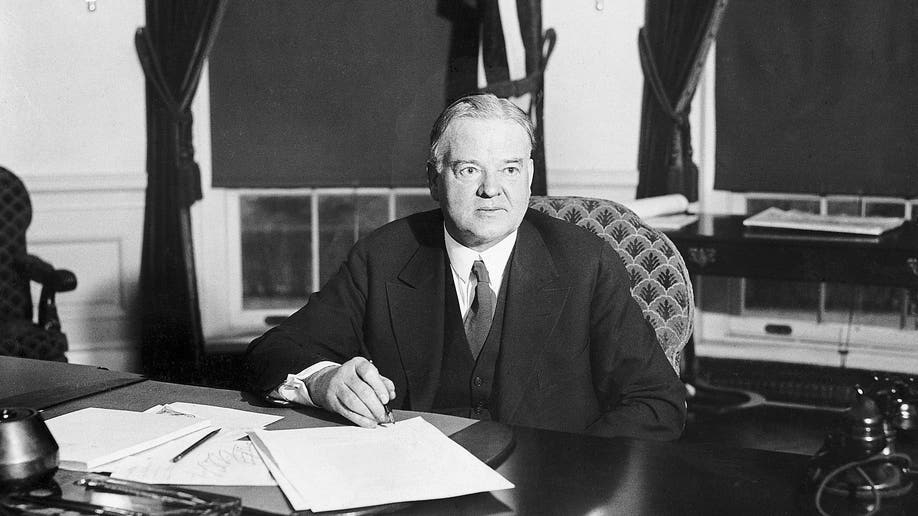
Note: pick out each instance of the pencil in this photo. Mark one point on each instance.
(197, 443)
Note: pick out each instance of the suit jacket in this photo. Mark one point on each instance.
(576, 353)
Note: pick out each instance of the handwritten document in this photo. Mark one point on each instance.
(325, 469)
(232, 422)
(222, 460)
(216, 462)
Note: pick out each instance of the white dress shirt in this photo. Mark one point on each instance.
(461, 259)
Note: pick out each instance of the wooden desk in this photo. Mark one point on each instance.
(554, 473)
(40, 384)
(720, 245)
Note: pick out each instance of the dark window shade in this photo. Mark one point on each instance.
(326, 93)
(818, 96)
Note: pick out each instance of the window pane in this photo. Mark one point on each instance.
(754, 206)
(790, 299)
(343, 219)
(846, 207)
(372, 212)
(885, 209)
(871, 208)
(865, 304)
(719, 294)
(406, 204)
(276, 257)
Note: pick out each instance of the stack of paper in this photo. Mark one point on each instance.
(671, 222)
(93, 436)
(650, 207)
(799, 220)
(324, 469)
(222, 460)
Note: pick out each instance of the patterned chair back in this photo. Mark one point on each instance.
(15, 217)
(20, 335)
(659, 278)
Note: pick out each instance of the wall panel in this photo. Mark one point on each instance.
(93, 226)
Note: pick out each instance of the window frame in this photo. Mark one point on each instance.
(247, 319)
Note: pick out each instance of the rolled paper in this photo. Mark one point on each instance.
(659, 205)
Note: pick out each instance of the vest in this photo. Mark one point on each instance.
(467, 385)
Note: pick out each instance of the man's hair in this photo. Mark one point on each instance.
(481, 106)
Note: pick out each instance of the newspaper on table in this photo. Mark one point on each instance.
(776, 218)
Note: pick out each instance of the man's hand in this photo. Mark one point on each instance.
(354, 389)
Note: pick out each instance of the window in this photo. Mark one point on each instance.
(292, 241)
(830, 324)
(833, 325)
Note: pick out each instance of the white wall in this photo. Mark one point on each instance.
(72, 103)
(73, 128)
(593, 90)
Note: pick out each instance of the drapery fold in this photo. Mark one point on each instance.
(172, 48)
(513, 53)
(672, 45)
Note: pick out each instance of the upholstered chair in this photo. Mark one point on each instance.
(20, 335)
(659, 278)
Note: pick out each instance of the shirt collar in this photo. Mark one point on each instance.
(461, 258)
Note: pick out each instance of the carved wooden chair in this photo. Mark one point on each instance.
(20, 335)
(659, 278)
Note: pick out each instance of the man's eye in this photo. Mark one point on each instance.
(512, 171)
(466, 171)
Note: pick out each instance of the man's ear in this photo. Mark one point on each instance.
(432, 183)
(531, 172)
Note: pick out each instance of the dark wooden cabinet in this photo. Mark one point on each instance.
(720, 245)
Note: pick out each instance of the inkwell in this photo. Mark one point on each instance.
(28, 451)
(859, 468)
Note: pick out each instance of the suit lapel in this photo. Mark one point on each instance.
(416, 304)
(535, 300)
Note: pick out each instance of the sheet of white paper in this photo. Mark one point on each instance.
(293, 495)
(656, 206)
(232, 422)
(217, 462)
(671, 222)
(93, 436)
(221, 460)
(346, 467)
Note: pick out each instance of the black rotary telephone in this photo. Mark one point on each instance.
(860, 465)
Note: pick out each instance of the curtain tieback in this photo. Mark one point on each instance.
(649, 67)
(532, 83)
(189, 171)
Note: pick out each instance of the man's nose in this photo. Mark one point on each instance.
(490, 184)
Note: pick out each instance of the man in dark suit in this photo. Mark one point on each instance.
(482, 308)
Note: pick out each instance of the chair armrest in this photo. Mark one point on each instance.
(40, 271)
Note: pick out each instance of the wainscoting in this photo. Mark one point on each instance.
(93, 226)
(614, 184)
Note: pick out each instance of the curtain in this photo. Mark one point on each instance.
(672, 46)
(327, 93)
(824, 94)
(172, 48)
(512, 56)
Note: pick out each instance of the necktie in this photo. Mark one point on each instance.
(478, 319)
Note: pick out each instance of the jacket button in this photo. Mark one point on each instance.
(477, 381)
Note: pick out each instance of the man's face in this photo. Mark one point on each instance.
(482, 182)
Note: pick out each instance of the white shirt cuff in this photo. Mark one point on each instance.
(294, 387)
